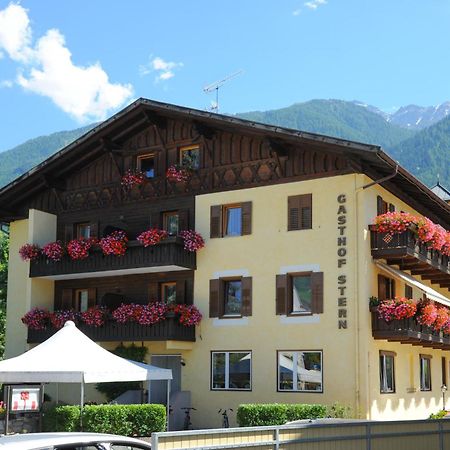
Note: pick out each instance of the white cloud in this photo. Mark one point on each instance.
(6, 84)
(47, 69)
(164, 69)
(314, 4)
(296, 12)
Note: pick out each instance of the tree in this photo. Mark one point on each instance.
(4, 241)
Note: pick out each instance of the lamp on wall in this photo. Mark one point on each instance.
(443, 390)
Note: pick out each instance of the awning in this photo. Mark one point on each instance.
(407, 278)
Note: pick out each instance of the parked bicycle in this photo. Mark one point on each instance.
(225, 421)
(187, 418)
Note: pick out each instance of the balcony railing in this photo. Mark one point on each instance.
(408, 331)
(166, 330)
(167, 255)
(405, 250)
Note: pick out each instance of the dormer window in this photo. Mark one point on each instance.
(146, 164)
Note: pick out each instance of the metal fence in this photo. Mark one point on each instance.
(315, 435)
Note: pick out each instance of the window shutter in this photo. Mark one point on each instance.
(214, 295)
(281, 294)
(392, 288)
(153, 292)
(183, 219)
(94, 230)
(246, 218)
(246, 296)
(317, 292)
(300, 212)
(66, 299)
(391, 207)
(408, 291)
(92, 297)
(216, 221)
(181, 292)
(68, 232)
(379, 205)
(381, 287)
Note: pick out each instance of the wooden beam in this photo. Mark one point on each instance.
(54, 183)
(155, 119)
(203, 130)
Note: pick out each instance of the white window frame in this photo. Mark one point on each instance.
(295, 362)
(227, 370)
(383, 372)
(422, 374)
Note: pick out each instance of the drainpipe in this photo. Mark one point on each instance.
(382, 180)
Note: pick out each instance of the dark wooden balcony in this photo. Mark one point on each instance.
(167, 330)
(408, 331)
(168, 255)
(405, 251)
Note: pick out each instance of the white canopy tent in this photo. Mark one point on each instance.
(69, 356)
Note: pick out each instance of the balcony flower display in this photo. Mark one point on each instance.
(54, 251)
(133, 178)
(442, 319)
(189, 315)
(431, 234)
(59, 318)
(397, 309)
(126, 312)
(427, 313)
(193, 241)
(29, 252)
(36, 319)
(94, 316)
(446, 247)
(151, 237)
(393, 222)
(150, 314)
(79, 248)
(176, 173)
(114, 244)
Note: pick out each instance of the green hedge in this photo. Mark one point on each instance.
(128, 420)
(254, 415)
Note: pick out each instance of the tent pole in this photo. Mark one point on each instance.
(167, 403)
(81, 405)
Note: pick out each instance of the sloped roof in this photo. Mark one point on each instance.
(366, 158)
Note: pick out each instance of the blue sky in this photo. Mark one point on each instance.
(68, 63)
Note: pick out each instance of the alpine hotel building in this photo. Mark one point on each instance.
(283, 282)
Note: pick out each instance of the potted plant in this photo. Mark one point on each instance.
(193, 241)
(54, 251)
(176, 173)
(114, 244)
(133, 178)
(152, 237)
(29, 252)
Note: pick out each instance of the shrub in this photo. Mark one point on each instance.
(253, 415)
(127, 420)
(338, 411)
(439, 415)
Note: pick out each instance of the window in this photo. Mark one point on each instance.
(408, 291)
(444, 370)
(386, 287)
(231, 371)
(382, 206)
(171, 222)
(83, 230)
(233, 298)
(230, 297)
(76, 299)
(300, 212)
(387, 374)
(146, 164)
(299, 293)
(425, 373)
(168, 292)
(190, 157)
(300, 371)
(231, 220)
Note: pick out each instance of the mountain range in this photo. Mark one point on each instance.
(418, 137)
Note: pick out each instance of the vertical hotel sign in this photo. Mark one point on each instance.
(342, 261)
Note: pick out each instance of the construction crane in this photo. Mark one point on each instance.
(215, 87)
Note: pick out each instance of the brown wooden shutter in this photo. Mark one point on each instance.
(181, 292)
(246, 296)
(92, 297)
(317, 292)
(300, 212)
(94, 230)
(408, 291)
(66, 299)
(393, 290)
(183, 219)
(246, 218)
(379, 205)
(281, 294)
(391, 207)
(216, 221)
(68, 232)
(381, 287)
(214, 296)
(153, 292)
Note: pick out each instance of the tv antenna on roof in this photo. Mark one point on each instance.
(215, 87)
